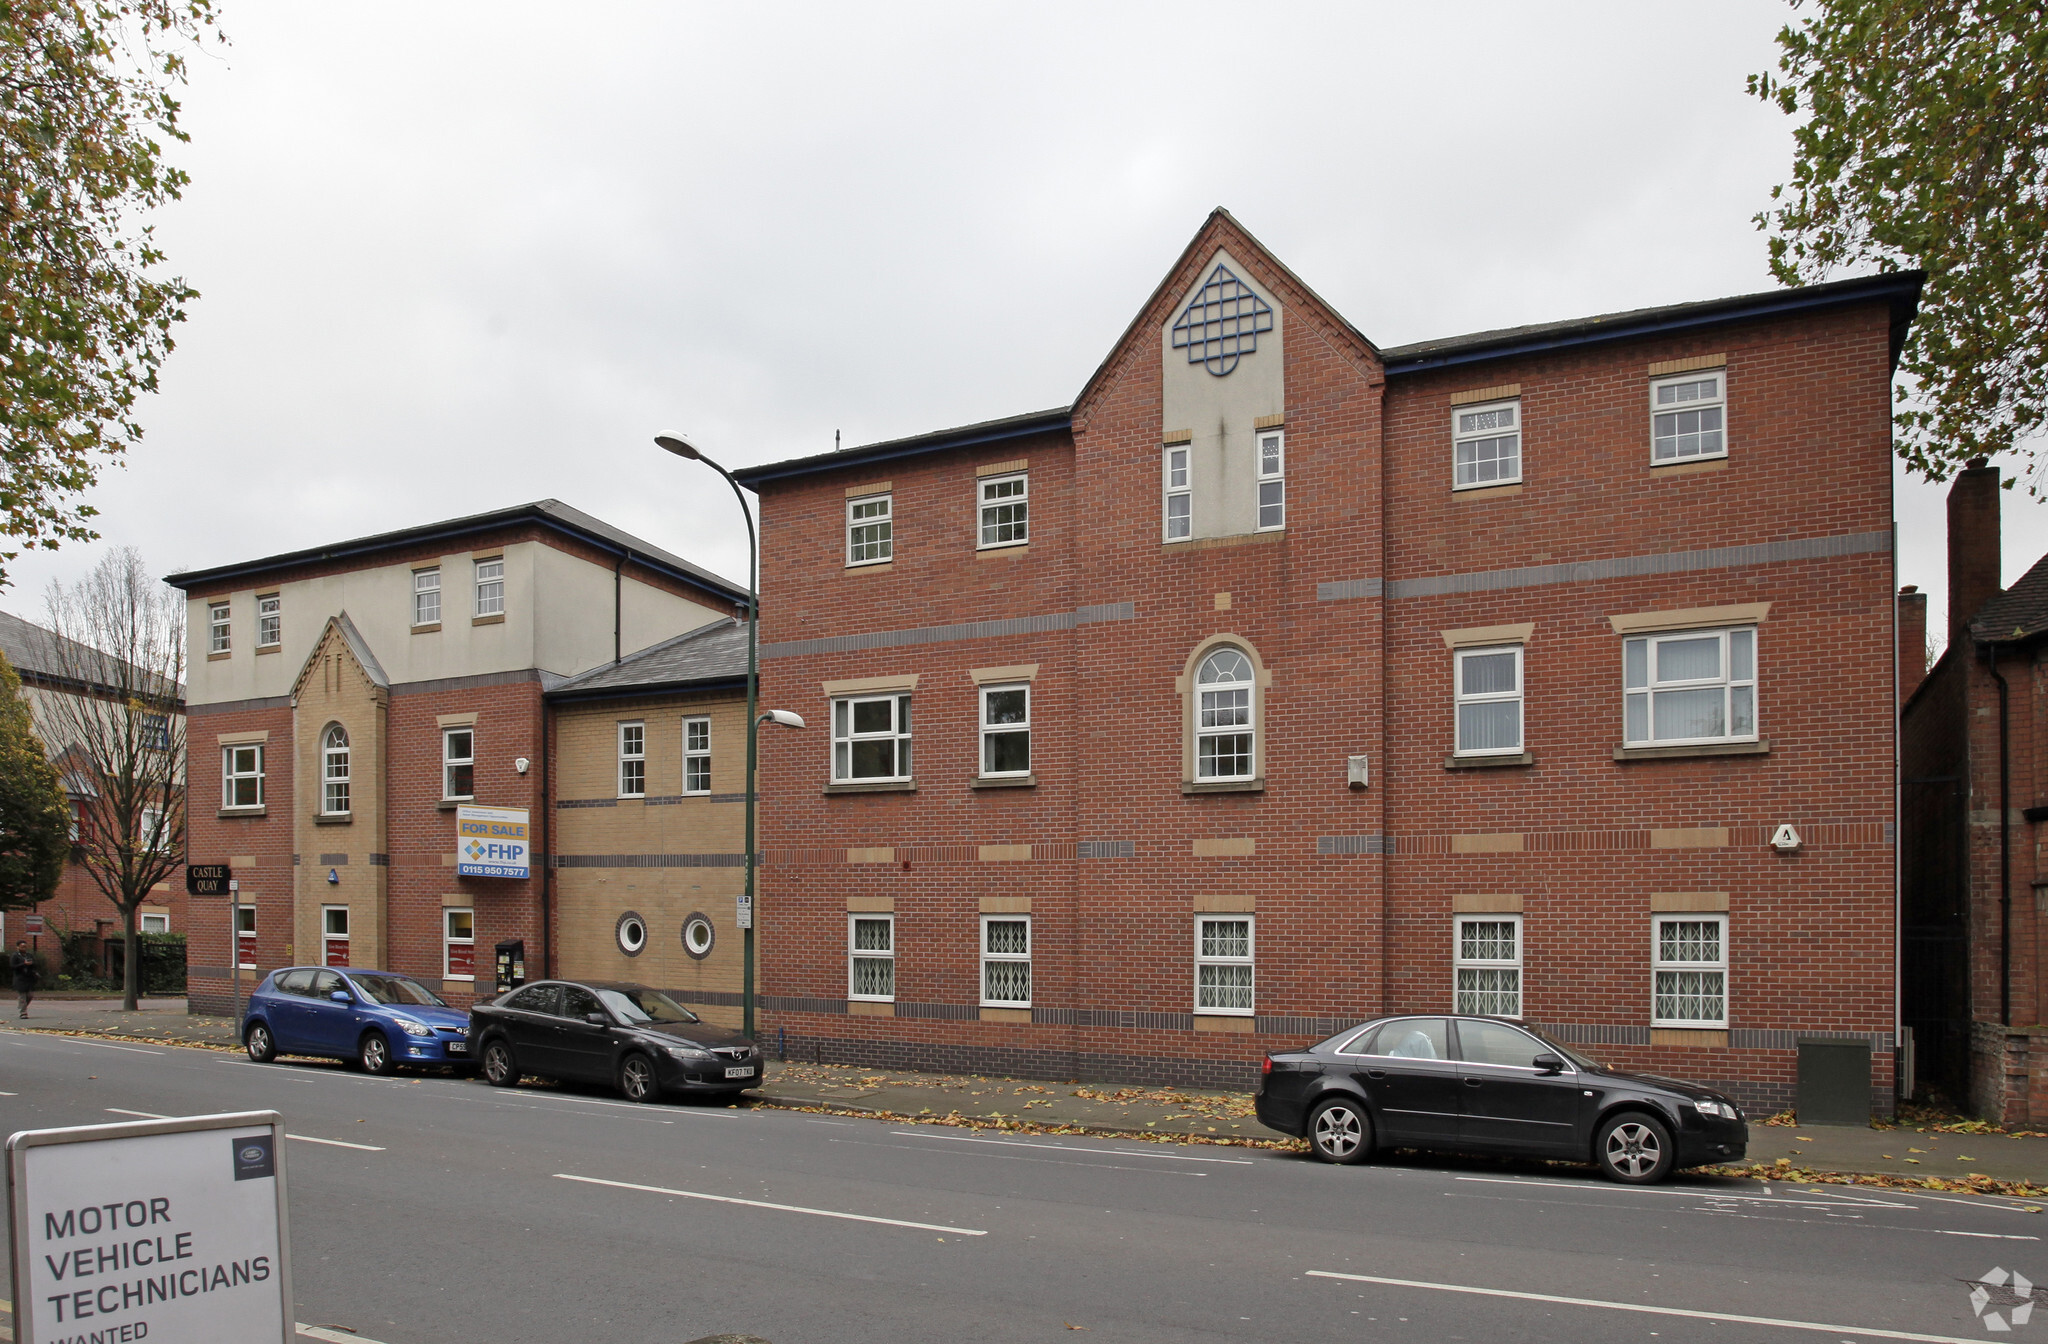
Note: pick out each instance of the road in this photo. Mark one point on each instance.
(437, 1209)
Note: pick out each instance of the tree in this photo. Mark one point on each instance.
(85, 90)
(116, 645)
(1924, 144)
(35, 816)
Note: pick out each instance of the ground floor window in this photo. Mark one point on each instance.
(458, 944)
(1006, 961)
(334, 934)
(245, 937)
(1223, 964)
(1691, 975)
(154, 921)
(1489, 966)
(871, 957)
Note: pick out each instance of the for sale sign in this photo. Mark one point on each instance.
(169, 1231)
(490, 842)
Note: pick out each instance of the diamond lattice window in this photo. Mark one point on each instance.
(1222, 322)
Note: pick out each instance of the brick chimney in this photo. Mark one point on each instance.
(1912, 640)
(1972, 545)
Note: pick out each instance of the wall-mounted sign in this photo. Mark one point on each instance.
(491, 842)
(207, 879)
(170, 1231)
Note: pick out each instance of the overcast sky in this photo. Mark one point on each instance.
(459, 256)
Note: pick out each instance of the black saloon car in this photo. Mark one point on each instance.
(1482, 1085)
(637, 1039)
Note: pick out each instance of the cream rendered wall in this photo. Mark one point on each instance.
(575, 613)
(1223, 467)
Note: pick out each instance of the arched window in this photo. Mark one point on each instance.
(334, 771)
(1225, 687)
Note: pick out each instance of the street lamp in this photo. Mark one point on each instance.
(755, 718)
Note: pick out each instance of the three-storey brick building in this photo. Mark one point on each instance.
(1283, 679)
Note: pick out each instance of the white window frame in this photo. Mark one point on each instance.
(632, 742)
(247, 914)
(1021, 501)
(334, 786)
(426, 583)
(229, 775)
(490, 586)
(449, 940)
(853, 920)
(1248, 960)
(1177, 486)
(992, 958)
(269, 620)
(1460, 964)
(697, 755)
(1271, 478)
(219, 627)
(1718, 402)
(1650, 688)
(1249, 728)
(1459, 699)
(992, 730)
(153, 921)
(1461, 437)
(1659, 968)
(449, 761)
(844, 736)
(327, 936)
(883, 548)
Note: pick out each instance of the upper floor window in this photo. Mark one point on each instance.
(334, 771)
(632, 760)
(870, 535)
(1486, 444)
(156, 732)
(1225, 686)
(1686, 415)
(1180, 495)
(426, 596)
(1689, 687)
(241, 775)
(871, 739)
(1005, 730)
(697, 755)
(217, 627)
(1005, 504)
(1489, 701)
(269, 621)
(458, 762)
(490, 587)
(1272, 480)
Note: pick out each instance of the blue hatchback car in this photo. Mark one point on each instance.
(377, 1018)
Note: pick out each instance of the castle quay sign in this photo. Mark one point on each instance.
(491, 842)
(165, 1231)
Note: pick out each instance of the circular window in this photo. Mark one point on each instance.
(631, 933)
(698, 936)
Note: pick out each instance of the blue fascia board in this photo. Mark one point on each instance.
(560, 696)
(754, 477)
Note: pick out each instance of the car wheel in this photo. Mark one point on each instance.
(500, 1069)
(374, 1054)
(262, 1046)
(1340, 1131)
(1634, 1148)
(636, 1079)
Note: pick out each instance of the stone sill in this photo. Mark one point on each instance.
(262, 649)
(884, 786)
(1224, 786)
(498, 619)
(228, 813)
(334, 819)
(1010, 782)
(431, 628)
(216, 657)
(1760, 747)
(1191, 544)
(1486, 762)
(450, 804)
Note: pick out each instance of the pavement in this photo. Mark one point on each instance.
(1110, 1108)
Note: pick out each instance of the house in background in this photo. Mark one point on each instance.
(1974, 806)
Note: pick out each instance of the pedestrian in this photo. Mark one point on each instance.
(23, 965)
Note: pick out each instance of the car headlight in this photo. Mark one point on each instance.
(1718, 1109)
(690, 1054)
(414, 1028)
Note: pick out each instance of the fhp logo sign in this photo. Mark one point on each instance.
(2001, 1319)
(491, 842)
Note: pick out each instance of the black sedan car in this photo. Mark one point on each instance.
(637, 1039)
(1483, 1085)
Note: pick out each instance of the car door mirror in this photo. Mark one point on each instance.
(597, 1019)
(1548, 1064)
(339, 996)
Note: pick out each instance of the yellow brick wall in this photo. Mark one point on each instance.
(336, 690)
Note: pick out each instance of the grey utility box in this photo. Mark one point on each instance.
(1834, 1082)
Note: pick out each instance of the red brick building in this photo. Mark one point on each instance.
(345, 700)
(1283, 679)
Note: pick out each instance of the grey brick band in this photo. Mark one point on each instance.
(940, 634)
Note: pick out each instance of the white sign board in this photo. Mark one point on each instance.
(491, 842)
(170, 1231)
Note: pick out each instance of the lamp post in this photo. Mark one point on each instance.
(682, 448)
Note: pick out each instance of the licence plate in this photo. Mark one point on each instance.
(458, 1047)
(747, 1072)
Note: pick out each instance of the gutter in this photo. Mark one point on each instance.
(646, 691)
(754, 477)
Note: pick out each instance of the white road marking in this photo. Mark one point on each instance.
(146, 1115)
(9, 1094)
(335, 1143)
(763, 1204)
(1980, 1202)
(103, 1045)
(332, 1336)
(1732, 1318)
(1826, 1201)
(847, 1123)
(1071, 1148)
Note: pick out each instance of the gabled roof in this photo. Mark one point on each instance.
(40, 653)
(548, 513)
(2018, 614)
(711, 655)
(358, 648)
(966, 436)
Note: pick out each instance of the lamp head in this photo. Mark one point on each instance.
(679, 447)
(788, 718)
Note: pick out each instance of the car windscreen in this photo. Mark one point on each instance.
(634, 1006)
(397, 990)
